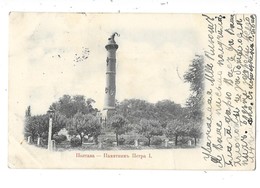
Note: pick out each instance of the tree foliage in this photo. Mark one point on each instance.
(135, 109)
(59, 138)
(149, 128)
(176, 128)
(36, 126)
(193, 115)
(118, 125)
(85, 125)
(195, 131)
(59, 122)
(28, 112)
(195, 76)
(70, 105)
(167, 110)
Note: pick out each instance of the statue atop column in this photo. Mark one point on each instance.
(112, 37)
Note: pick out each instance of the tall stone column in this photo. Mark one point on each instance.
(110, 89)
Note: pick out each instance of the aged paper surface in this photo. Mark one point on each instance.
(179, 91)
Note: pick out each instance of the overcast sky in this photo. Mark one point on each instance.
(154, 52)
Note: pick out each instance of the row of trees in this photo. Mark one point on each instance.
(141, 118)
(88, 125)
(150, 128)
(65, 109)
(37, 126)
(79, 125)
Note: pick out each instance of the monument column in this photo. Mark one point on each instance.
(110, 89)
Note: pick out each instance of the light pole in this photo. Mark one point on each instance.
(51, 115)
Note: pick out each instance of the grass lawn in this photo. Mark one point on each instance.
(112, 146)
(108, 141)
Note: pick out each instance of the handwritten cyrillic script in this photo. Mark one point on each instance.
(230, 91)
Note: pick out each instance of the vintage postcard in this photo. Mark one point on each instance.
(132, 91)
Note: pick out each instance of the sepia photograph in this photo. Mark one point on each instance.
(114, 90)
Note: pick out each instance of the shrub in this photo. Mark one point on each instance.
(130, 142)
(144, 143)
(59, 138)
(109, 141)
(184, 140)
(75, 142)
(156, 141)
(121, 141)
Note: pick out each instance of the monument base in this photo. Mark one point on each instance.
(107, 114)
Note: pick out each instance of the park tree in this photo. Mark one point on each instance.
(193, 113)
(30, 128)
(149, 128)
(28, 112)
(85, 125)
(174, 129)
(195, 76)
(94, 127)
(70, 105)
(135, 109)
(42, 125)
(118, 124)
(36, 126)
(64, 106)
(167, 110)
(195, 131)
